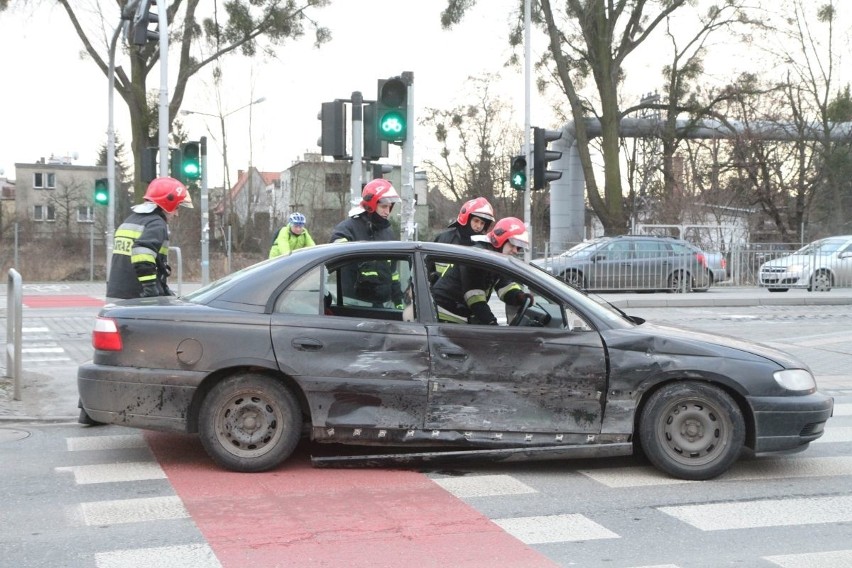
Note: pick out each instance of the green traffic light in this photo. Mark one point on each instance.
(519, 181)
(190, 170)
(101, 196)
(392, 126)
(518, 173)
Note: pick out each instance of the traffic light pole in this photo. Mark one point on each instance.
(527, 124)
(357, 148)
(205, 217)
(164, 89)
(407, 166)
(110, 220)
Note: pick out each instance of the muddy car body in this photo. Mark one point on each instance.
(281, 349)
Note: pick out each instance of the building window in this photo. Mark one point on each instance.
(44, 213)
(336, 183)
(38, 180)
(85, 214)
(50, 181)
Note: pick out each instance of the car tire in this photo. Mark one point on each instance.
(691, 430)
(820, 282)
(777, 289)
(574, 278)
(676, 282)
(249, 423)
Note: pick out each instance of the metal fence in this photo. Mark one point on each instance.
(775, 266)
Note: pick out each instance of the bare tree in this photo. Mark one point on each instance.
(591, 39)
(198, 41)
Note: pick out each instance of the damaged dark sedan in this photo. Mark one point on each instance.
(289, 348)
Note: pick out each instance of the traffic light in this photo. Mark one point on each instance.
(378, 171)
(333, 138)
(392, 110)
(518, 173)
(101, 196)
(374, 148)
(190, 161)
(541, 155)
(149, 164)
(137, 32)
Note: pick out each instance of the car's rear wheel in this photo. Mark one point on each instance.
(691, 430)
(777, 289)
(680, 281)
(249, 423)
(574, 278)
(820, 282)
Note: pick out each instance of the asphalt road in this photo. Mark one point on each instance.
(109, 496)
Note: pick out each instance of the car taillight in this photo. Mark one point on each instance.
(105, 336)
(702, 260)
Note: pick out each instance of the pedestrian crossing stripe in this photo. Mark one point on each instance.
(87, 443)
(483, 486)
(114, 472)
(195, 555)
(554, 528)
(834, 558)
(122, 511)
(764, 513)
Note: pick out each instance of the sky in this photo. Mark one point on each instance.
(55, 102)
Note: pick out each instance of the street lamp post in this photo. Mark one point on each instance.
(226, 182)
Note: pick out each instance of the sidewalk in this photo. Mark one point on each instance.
(50, 395)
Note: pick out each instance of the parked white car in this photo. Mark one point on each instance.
(819, 266)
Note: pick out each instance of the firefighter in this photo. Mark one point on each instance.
(463, 291)
(140, 266)
(373, 282)
(475, 218)
(292, 236)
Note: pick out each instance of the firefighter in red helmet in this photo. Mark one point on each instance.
(475, 218)
(375, 282)
(463, 291)
(139, 267)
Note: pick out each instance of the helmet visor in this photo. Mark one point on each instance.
(523, 245)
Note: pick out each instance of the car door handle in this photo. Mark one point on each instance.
(307, 344)
(447, 354)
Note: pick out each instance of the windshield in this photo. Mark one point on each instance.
(203, 295)
(581, 250)
(825, 246)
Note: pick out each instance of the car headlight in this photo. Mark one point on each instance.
(795, 268)
(795, 379)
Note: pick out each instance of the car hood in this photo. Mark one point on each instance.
(791, 260)
(678, 340)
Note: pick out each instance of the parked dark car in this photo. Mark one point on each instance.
(285, 347)
(631, 262)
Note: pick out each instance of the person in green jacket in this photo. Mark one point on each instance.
(291, 237)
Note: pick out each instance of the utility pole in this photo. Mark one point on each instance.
(407, 166)
(205, 217)
(357, 148)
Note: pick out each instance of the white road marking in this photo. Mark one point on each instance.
(113, 472)
(843, 410)
(764, 513)
(744, 470)
(554, 528)
(834, 435)
(120, 511)
(483, 486)
(42, 350)
(190, 555)
(85, 443)
(834, 558)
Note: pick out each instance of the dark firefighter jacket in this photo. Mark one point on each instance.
(463, 291)
(139, 256)
(376, 282)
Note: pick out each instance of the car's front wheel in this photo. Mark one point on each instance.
(249, 423)
(691, 430)
(820, 282)
(574, 278)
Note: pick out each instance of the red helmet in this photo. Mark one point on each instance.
(168, 193)
(509, 229)
(478, 207)
(378, 191)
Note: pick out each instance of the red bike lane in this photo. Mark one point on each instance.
(301, 516)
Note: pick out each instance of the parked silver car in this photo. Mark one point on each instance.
(631, 262)
(819, 266)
